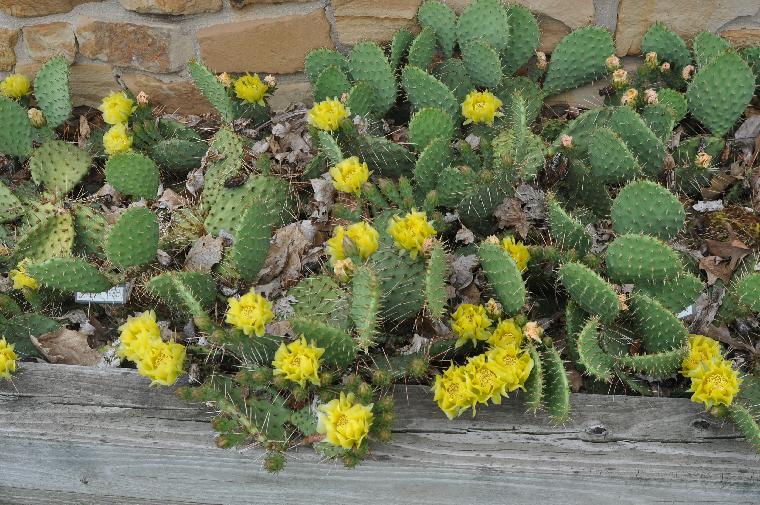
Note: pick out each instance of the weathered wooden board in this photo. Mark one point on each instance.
(75, 435)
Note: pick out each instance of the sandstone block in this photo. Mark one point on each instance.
(44, 41)
(173, 7)
(275, 45)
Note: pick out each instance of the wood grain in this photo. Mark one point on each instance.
(77, 435)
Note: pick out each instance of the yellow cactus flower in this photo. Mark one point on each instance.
(21, 279)
(350, 175)
(328, 114)
(409, 233)
(138, 336)
(518, 251)
(163, 363)
(344, 422)
(506, 332)
(117, 139)
(363, 237)
(7, 359)
(470, 322)
(714, 382)
(298, 361)
(116, 108)
(251, 89)
(15, 86)
(488, 380)
(452, 392)
(481, 107)
(250, 313)
(515, 365)
(701, 349)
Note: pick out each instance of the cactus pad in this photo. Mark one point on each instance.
(51, 89)
(422, 49)
(484, 20)
(368, 63)
(59, 166)
(658, 327)
(10, 205)
(428, 124)
(503, 276)
(748, 291)
(424, 90)
(133, 240)
(69, 275)
(648, 208)
(133, 174)
(524, 38)
(667, 44)
(321, 299)
(53, 237)
(578, 58)
(16, 133)
(365, 306)
(212, 89)
(640, 258)
(590, 291)
(597, 363)
(340, 348)
(566, 230)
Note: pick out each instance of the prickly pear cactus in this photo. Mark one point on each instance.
(133, 240)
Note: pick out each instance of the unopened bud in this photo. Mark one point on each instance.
(225, 79)
(612, 62)
(541, 60)
(142, 98)
(702, 159)
(665, 67)
(270, 80)
(629, 97)
(36, 117)
(688, 72)
(533, 331)
(566, 141)
(650, 96)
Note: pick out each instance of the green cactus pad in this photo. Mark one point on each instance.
(432, 161)
(674, 101)
(59, 166)
(252, 240)
(382, 156)
(201, 284)
(212, 89)
(747, 423)
(10, 205)
(503, 276)
(133, 174)
(53, 237)
(719, 93)
(583, 128)
(422, 49)
(321, 299)
(453, 184)
(508, 91)
(575, 320)
(690, 178)
(360, 99)
(442, 20)
(271, 192)
(660, 119)
(329, 146)
(640, 140)
(556, 385)
(648, 208)
(597, 363)
(578, 58)
(524, 38)
(227, 148)
(340, 348)
(748, 291)
(435, 282)
(517, 148)
(484, 20)
(51, 89)
(640, 258)
(667, 44)
(320, 59)
(476, 208)
(402, 281)
(657, 365)
(676, 293)
(69, 275)
(454, 75)
(424, 90)
(590, 291)
(752, 56)
(566, 230)
(429, 124)
(534, 385)
(365, 306)
(133, 240)
(708, 47)
(16, 133)
(659, 329)
(368, 63)
(179, 155)
(91, 229)
(482, 63)
(331, 83)
(402, 38)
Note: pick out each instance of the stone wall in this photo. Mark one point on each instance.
(144, 44)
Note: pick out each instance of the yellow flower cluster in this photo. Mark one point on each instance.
(298, 361)
(481, 107)
(713, 378)
(140, 341)
(518, 251)
(15, 86)
(470, 323)
(362, 236)
(489, 376)
(328, 114)
(21, 279)
(409, 233)
(344, 422)
(350, 175)
(251, 89)
(250, 313)
(7, 359)
(117, 139)
(116, 108)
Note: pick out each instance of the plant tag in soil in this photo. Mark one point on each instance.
(117, 295)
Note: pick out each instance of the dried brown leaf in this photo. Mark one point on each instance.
(66, 347)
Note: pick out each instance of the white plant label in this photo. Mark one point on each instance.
(117, 295)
